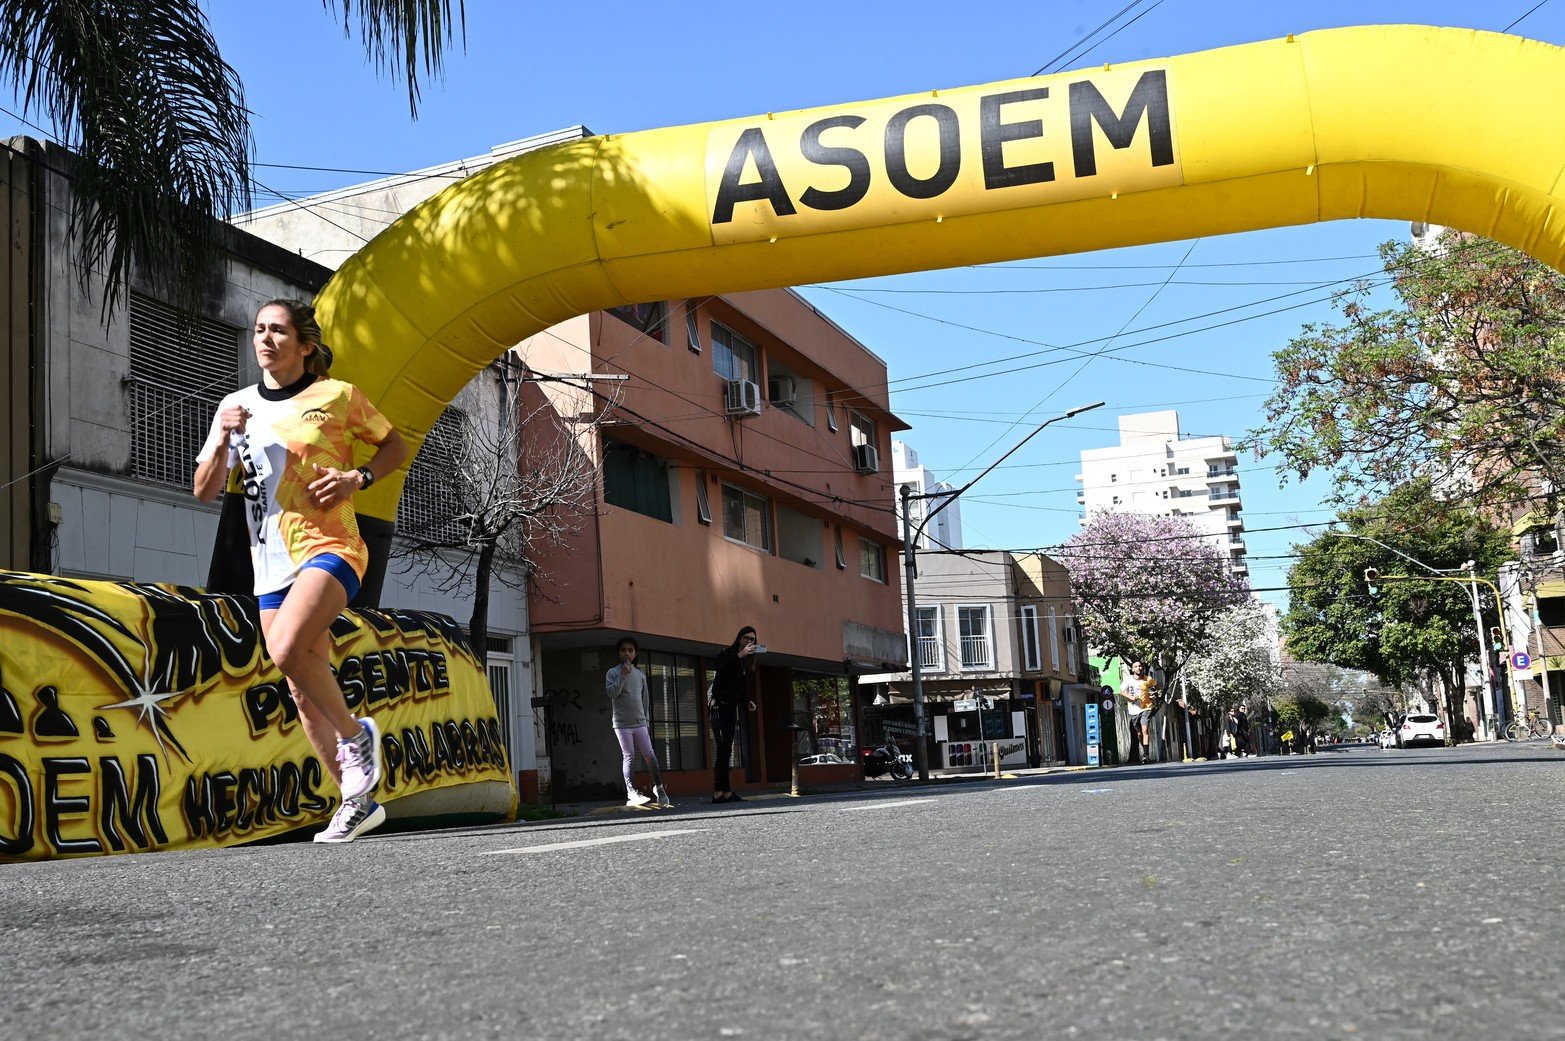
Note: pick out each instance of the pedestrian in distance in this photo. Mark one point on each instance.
(730, 689)
(1231, 735)
(626, 687)
(1139, 692)
(1241, 732)
(291, 436)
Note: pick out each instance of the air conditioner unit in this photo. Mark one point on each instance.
(866, 460)
(742, 398)
(781, 390)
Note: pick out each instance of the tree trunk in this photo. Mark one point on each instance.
(478, 625)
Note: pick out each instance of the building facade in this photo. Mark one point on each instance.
(943, 530)
(1000, 660)
(1157, 470)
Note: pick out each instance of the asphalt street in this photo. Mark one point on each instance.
(1358, 893)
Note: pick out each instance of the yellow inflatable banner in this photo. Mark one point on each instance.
(147, 717)
(1447, 126)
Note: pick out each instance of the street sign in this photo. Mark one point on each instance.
(1108, 704)
(1521, 660)
(965, 705)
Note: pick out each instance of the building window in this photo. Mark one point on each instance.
(651, 319)
(674, 693)
(747, 518)
(175, 388)
(872, 560)
(831, 413)
(733, 357)
(931, 648)
(823, 708)
(692, 327)
(1054, 641)
(973, 632)
(636, 480)
(842, 559)
(863, 432)
(703, 502)
(1032, 660)
(431, 509)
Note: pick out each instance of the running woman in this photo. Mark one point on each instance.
(291, 435)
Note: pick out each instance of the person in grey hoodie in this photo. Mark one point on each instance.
(626, 687)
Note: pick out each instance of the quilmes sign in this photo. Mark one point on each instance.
(968, 151)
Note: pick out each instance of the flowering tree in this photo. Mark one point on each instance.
(1238, 665)
(1149, 588)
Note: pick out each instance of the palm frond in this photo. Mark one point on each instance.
(138, 90)
(406, 34)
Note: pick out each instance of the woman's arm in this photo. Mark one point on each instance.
(331, 486)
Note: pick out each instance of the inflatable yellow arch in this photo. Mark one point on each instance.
(1451, 126)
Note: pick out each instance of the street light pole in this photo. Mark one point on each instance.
(910, 569)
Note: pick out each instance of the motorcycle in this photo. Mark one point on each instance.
(886, 759)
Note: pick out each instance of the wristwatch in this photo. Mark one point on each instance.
(368, 475)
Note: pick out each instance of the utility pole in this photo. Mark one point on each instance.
(910, 569)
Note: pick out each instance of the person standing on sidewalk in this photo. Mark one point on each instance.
(730, 689)
(626, 687)
(292, 438)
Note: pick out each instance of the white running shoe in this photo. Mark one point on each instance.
(664, 802)
(352, 819)
(359, 757)
(635, 798)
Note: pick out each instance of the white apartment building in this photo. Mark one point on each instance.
(945, 530)
(1157, 470)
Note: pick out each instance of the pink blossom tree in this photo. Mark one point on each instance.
(1149, 588)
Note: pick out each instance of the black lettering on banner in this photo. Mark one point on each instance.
(851, 159)
(417, 753)
(57, 806)
(221, 791)
(123, 816)
(395, 664)
(1148, 101)
(312, 799)
(199, 818)
(264, 702)
(994, 134)
(374, 678)
(19, 838)
(441, 751)
(245, 815)
(286, 797)
(350, 677)
(491, 726)
(442, 678)
(475, 755)
(391, 753)
(950, 151)
(730, 191)
(454, 744)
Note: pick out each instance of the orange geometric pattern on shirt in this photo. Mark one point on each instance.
(320, 435)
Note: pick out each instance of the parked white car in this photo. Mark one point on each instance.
(1386, 738)
(1420, 728)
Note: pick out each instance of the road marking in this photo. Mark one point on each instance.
(1096, 791)
(584, 843)
(891, 805)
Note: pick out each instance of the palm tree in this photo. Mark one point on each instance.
(139, 91)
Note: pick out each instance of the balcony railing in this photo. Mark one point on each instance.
(929, 652)
(975, 652)
(1222, 496)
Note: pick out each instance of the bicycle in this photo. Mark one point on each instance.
(1536, 725)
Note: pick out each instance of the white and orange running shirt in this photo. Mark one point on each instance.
(289, 432)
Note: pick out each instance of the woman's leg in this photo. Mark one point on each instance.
(723, 746)
(643, 741)
(627, 755)
(297, 637)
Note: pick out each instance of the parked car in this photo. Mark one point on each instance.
(1420, 728)
(824, 759)
(1387, 738)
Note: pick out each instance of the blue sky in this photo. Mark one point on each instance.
(531, 67)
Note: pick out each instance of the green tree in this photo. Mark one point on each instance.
(139, 91)
(1405, 631)
(1463, 380)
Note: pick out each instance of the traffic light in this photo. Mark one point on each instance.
(1372, 579)
(1495, 636)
